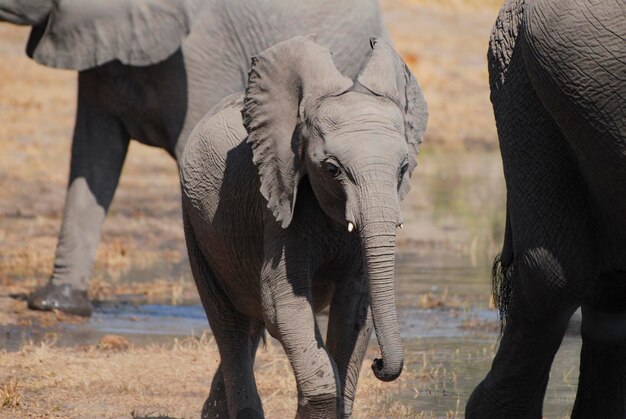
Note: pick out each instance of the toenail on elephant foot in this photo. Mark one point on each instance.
(63, 297)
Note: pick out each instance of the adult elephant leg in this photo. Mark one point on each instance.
(349, 331)
(99, 147)
(233, 390)
(602, 381)
(551, 269)
(516, 384)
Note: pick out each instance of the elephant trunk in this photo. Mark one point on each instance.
(378, 235)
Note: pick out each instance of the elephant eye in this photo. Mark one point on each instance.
(332, 169)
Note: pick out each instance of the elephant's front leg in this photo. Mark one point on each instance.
(289, 317)
(349, 331)
(98, 151)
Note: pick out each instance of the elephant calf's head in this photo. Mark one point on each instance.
(356, 141)
(356, 158)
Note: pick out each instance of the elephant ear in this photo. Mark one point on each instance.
(386, 75)
(82, 34)
(284, 82)
(24, 12)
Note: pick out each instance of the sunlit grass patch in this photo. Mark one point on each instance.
(10, 395)
(175, 378)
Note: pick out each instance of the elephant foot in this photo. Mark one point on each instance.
(214, 409)
(63, 297)
(317, 409)
(249, 413)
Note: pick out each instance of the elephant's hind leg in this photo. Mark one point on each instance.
(551, 268)
(602, 381)
(233, 390)
(215, 406)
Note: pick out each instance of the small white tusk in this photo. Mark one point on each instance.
(350, 227)
(401, 226)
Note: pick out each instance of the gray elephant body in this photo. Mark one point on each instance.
(558, 88)
(136, 83)
(160, 104)
(263, 259)
(229, 230)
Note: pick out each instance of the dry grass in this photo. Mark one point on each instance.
(10, 394)
(94, 381)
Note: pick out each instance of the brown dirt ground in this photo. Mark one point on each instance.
(444, 43)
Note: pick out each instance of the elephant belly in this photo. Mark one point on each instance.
(150, 101)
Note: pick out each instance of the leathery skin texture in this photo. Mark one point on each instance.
(557, 74)
(291, 196)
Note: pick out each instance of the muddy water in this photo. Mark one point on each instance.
(453, 218)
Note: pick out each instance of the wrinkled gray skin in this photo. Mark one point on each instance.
(149, 70)
(558, 87)
(267, 207)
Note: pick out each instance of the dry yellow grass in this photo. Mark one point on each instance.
(10, 394)
(94, 381)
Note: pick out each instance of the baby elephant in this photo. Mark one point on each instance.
(291, 200)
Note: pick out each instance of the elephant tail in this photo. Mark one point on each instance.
(501, 275)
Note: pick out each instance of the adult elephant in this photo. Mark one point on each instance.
(149, 70)
(558, 88)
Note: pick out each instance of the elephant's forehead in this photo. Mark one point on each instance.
(358, 112)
